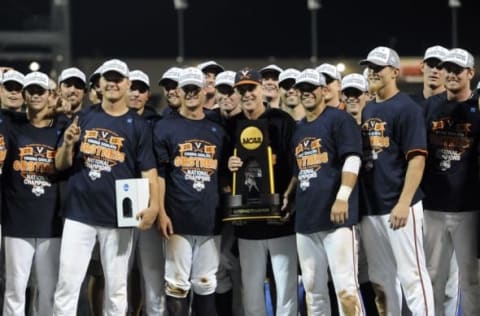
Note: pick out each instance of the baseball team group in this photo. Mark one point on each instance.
(378, 191)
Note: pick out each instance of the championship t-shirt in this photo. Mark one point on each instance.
(320, 148)
(110, 148)
(30, 181)
(393, 131)
(189, 158)
(451, 178)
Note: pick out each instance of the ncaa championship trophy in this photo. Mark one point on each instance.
(253, 191)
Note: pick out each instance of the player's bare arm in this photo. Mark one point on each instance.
(339, 212)
(149, 215)
(164, 224)
(64, 156)
(399, 214)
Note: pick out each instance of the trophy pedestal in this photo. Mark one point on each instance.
(267, 207)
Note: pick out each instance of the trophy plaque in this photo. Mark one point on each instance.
(253, 194)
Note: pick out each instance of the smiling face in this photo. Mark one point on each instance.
(251, 97)
(11, 95)
(138, 95)
(270, 85)
(458, 78)
(36, 98)
(73, 91)
(192, 97)
(382, 80)
(114, 86)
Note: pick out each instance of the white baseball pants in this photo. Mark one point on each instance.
(393, 254)
(447, 233)
(78, 240)
(20, 255)
(191, 263)
(338, 250)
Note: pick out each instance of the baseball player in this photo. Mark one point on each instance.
(355, 95)
(262, 238)
(270, 75)
(433, 74)
(73, 85)
(94, 93)
(289, 96)
(11, 91)
(450, 182)
(394, 144)
(188, 147)
(31, 223)
(334, 79)
(211, 69)
(169, 82)
(327, 149)
(148, 245)
(105, 142)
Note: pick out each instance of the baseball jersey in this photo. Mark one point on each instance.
(110, 148)
(450, 180)
(320, 147)
(31, 181)
(189, 157)
(393, 131)
(281, 127)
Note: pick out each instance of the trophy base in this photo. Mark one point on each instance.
(267, 208)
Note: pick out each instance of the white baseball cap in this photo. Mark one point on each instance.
(191, 76)
(226, 78)
(212, 65)
(172, 74)
(72, 72)
(13, 75)
(138, 75)
(459, 57)
(37, 78)
(270, 68)
(310, 76)
(329, 70)
(115, 65)
(437, 51)
(382, 56)
(289, 73)
(356, 81)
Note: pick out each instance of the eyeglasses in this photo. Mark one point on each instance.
(376, 68)
(225, 89)
(244, 88)
(113, 76)
(35, 89)
(12, 86)
(453, 68)
(434, 63)
(306, 87)
(352, 93)
(139, 86)
(74, 82)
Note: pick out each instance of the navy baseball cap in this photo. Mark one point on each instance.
(247, 76)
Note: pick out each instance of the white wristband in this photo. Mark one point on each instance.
(344, 192)
(352, 164)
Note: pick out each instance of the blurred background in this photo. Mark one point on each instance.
(154, 35)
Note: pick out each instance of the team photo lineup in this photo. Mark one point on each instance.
(270, 191)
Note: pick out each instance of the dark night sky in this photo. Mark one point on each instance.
(251, 28)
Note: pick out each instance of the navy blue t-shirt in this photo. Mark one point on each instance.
(30, 181)
(109, 148)
(3, 152)
(320, 147)
(189, 157)
(450, 181)
(393, 131)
